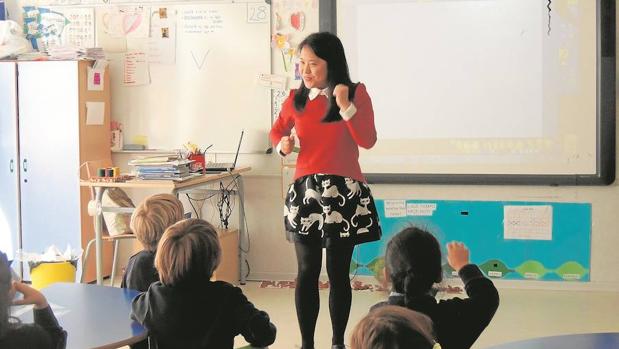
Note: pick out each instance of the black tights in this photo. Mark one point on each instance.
(309, 260)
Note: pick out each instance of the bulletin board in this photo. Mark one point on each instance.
(546, 241)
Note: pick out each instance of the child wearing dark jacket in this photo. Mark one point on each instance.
(188, 310)
(148, 222)
(413, 265)
(44, 333)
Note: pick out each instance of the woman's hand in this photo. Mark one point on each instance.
(340, 92)
(287, 144)
(457, 255)
(31, 296)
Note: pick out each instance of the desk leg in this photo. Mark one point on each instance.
(98, 241)
(242, 233)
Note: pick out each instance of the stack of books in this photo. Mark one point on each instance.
(162, 167)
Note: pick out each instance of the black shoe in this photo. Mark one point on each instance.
(338, 346)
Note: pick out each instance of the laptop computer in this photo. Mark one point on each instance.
(224, 166)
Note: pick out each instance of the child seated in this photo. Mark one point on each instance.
(413, 265)
(188, 310)
(45, 333)
(148, 222)
(393, 327)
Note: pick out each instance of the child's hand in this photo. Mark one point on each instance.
(31, 296)
(457, 255)
(287, 144)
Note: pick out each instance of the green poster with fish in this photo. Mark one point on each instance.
(509, 240)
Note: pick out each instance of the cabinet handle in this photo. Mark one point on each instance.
(12, 165)
(25, 165)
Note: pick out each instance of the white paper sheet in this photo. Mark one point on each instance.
(277, 82)
(162, 42)
(95, 112)
(527, 222)
(395, 208)
(136, 71)
(420, 209)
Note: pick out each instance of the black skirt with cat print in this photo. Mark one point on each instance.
(330, 209)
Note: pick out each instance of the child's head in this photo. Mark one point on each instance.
(393, 327)
(153, 216)
(5, 294)
(188, 250)
(413, 261)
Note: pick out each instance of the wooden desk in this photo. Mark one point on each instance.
(174, 188)
(93, 316)
(572, 341)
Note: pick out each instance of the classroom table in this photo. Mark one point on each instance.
(94, 316)
(170, 186)
(571, 341)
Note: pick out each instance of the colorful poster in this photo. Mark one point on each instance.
(43, 27)
(564, 254)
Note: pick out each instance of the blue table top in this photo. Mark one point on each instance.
(93, 316)
(571, 341)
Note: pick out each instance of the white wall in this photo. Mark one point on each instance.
(271, 257)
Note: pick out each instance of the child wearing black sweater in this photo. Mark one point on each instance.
(413, 265)
(148, 222)
(45, 333)
(188, 310)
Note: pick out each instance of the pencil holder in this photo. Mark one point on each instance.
(198, 162)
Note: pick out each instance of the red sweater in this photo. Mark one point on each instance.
(329, 148)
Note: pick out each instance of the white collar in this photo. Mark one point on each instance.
(315, 92)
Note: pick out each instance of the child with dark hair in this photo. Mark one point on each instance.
(45, 333)
(188, 310)
(393, 327)
(413, 265)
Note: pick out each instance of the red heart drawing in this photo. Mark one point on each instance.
(297, 20)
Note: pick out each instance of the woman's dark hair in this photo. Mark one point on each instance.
(413, 261)
(393, 327)
(327, 46)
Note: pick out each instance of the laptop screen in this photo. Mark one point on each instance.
(238, 149)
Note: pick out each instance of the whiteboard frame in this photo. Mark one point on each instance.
(605, 118)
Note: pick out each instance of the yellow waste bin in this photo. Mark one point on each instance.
(46, 273)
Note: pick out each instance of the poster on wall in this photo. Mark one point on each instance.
(47, 27)
(488, 229)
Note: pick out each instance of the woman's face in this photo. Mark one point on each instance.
(313, 69)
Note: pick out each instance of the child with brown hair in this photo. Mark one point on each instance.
(188, 310)
(393, 327)
(148, 222)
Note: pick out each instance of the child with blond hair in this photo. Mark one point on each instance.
(148, 222)
(185, 309)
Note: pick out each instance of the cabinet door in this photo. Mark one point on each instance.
(9, 171)
(49, 154)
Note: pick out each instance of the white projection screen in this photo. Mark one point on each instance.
(485, 91)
